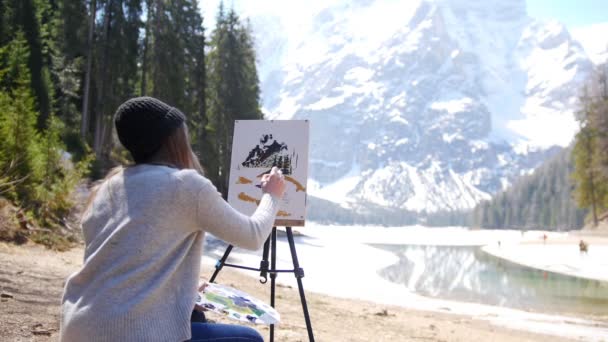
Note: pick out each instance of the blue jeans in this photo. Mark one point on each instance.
(211, 332)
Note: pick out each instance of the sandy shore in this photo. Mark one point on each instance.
(559, 254)
(32, 278)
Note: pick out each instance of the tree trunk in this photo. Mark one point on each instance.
(227, 155)
(84, 125)
(202, 104)
(144, 67)
(102, 78)
(156, 63)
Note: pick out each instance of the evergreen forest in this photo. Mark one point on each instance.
(542, 200)
(66, 65)
(570, 190)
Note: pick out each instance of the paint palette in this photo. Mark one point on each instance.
(236, 304)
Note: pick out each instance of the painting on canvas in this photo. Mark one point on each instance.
(257, 146)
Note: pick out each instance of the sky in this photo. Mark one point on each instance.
(586, 20)
(573, 13)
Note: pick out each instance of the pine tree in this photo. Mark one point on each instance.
(216, 100)
(114, 69)
(29, 16)
(67, 49)
(194, 40)
(590, 189)
(233, 87)
(168, 55)
(20, 153)
(32, 168)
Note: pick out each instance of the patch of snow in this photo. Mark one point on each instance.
(430, 189)
(451, 137)
(402, 141)
(502, 161)
(287, 108)
(326, 103)
(337, 191)
(359, 74)
(534, 127)
(453, 106)
(504, 183)
(560, 258)
(594, 39)
(399, 119)
(478, 145)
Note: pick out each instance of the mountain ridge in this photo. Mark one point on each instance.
(439, 110)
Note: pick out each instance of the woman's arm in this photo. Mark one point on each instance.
(217, 217)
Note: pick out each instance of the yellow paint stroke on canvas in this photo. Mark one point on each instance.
(283, 213)
(246, 198)
(299, 186)
(243, 180)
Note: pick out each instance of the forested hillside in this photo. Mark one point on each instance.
(542, 200)
(571, 188)
(66, 65)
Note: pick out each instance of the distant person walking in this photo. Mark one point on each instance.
(583, 247)
(144, 228)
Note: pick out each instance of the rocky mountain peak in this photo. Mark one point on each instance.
(427, 105)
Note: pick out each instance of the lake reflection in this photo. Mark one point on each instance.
(469, 274)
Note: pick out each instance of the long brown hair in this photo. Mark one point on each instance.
(175, 152)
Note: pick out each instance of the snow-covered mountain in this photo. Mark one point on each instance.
(421, 105)
(594, 39)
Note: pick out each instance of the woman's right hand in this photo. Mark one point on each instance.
(274, 183)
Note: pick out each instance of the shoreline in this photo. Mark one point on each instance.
(33, 277)
(323, 251)
(345, 319)
(558, 326)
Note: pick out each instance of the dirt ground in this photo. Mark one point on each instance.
(32, 279)
(31, 284)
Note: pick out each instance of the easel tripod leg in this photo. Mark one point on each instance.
(299, 273)
(273, 275)
(264, 262)
(220, 263)
(297, 270)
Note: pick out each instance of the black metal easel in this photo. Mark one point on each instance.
(271, 246)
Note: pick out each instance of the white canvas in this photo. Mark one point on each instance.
(258, 145)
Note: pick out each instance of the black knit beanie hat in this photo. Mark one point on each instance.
(143, 123)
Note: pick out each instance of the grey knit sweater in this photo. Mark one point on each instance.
(144, 235)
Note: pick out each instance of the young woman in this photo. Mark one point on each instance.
(144, 229)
